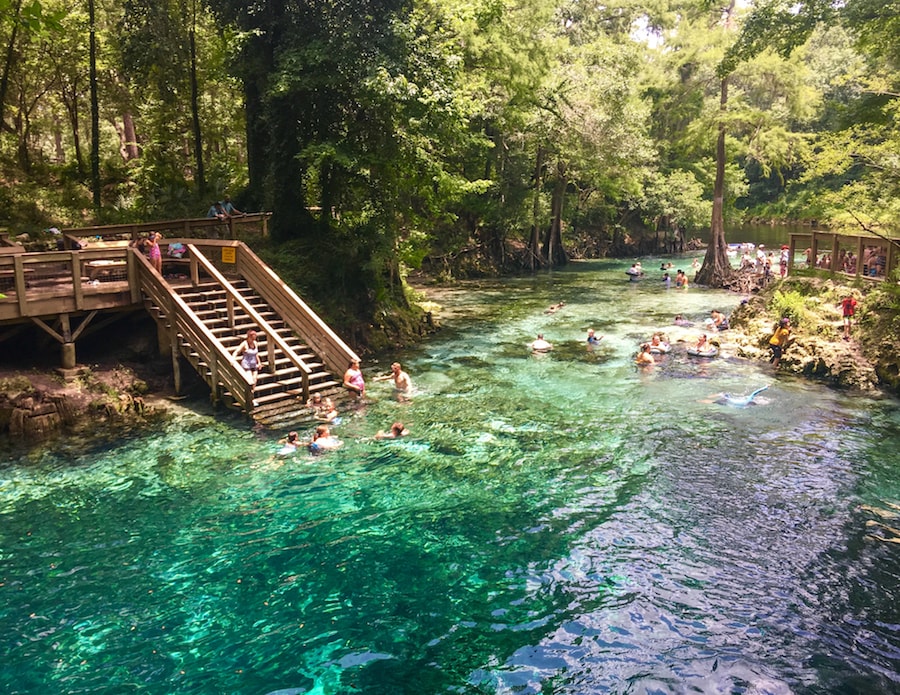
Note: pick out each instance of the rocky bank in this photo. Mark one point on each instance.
(869, 361)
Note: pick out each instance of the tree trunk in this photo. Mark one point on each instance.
(10, 59)
(553, 248)
(131, 144)
(195, 108)
(95, 109)
(534, 245)
(716, 269)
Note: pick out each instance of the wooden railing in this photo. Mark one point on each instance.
(257, 223)
(296, 313)
(883, 253)
(223, 367)
(48, 283)
(273, 339)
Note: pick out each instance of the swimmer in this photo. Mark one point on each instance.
(541, 345)
(720, 320)
(401, 379)
(323, 408)
(553, 308)
(289, 444)
(645, 357)
(322, 440)
(592, 339)
(397, 430)
(659, 343)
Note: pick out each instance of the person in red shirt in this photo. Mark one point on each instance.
(848, 305)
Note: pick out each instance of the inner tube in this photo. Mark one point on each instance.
(742, 401)
(660, 349)
(709, 352)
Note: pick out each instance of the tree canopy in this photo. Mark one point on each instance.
(469, 135)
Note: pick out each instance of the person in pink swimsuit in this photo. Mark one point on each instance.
(353, 379)
(153, 251)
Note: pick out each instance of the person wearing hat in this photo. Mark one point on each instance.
(779, 341)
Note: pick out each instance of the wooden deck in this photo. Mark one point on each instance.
(865, 257)
(202, 302)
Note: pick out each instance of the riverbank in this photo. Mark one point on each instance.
(37, 405)
(868, 361)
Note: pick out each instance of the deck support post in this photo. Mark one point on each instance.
(176, 366)
(68, 355)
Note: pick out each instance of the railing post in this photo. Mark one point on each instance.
(859, 255)
(270, 354)
(134, 279)
(21, 290)
(214, 379)
(76, 281)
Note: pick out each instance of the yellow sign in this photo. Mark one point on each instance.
(229, 254)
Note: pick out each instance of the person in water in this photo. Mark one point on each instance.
(323, 408)
(645, 357)
(323, 440)
(353, 379)
(703, 344)
(248, 352)
(592, 339)
(402, 382)
(289, 444)
(659, 342)
(681, 281)
(720, 320)
(553, 308)
(541, 345)
(397, 430)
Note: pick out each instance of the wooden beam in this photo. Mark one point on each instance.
(83, 325)
(66, 327)
(49, 330)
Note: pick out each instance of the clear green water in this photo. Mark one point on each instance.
(555, 524)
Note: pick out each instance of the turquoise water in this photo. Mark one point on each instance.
(563, 523)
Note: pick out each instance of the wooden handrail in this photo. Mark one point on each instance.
(135, 230)
(222, 366)
(273, 338)
(295, 312)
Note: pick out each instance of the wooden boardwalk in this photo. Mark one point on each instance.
(203, 303)
(866, 257)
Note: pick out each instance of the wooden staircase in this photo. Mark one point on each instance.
(279, 388)
(205, 318)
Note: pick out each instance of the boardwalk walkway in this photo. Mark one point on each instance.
(204, 301)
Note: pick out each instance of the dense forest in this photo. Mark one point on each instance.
(463, 136)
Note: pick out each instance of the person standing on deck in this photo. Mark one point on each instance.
(153, 251)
